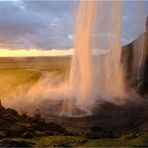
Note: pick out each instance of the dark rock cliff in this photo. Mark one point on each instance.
(140, 83)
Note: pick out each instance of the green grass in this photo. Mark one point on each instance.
(77, 141)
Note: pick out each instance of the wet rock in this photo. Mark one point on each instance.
(30, 129)
(35, 126)
(132, 135)
(17, 130)
(15, 143)
(3, 134)
(9, 118)
(100, 132)
(27, 135)
(12, 112)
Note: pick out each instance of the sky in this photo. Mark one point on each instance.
(51, 24)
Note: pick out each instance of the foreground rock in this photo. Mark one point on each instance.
(15, 143)
(14, 125)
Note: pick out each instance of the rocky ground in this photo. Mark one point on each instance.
(14, 125)
(108, 121)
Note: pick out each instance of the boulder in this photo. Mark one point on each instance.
(15, 143)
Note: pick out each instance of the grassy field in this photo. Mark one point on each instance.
(24, 72)
(41, 63)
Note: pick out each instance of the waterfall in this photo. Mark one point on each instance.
(97, 73)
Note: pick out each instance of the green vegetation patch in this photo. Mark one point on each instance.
(77, 141)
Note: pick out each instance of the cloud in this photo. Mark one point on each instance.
(17, 24)
(48, 24)
(25, 24)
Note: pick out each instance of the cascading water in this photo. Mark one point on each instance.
(81, 76)
(95, 75)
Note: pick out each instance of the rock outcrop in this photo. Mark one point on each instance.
(14, 125)
(141, 83)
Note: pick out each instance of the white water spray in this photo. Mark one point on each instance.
(93, 75)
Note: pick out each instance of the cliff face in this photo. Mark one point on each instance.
(128, 52)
